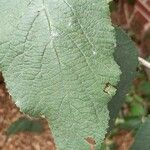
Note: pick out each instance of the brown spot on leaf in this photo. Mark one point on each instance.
(90, 140)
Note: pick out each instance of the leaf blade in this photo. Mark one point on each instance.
(126, 56)
(142, 137)
(61, 66)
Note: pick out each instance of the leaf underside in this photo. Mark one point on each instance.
(126, 54)
(25, 125)
(142, 137)
(57, 60)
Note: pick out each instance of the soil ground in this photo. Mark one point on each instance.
(23, 140)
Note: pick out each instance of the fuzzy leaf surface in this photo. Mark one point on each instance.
(57, 60)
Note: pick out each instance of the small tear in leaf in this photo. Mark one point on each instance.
(109, 89)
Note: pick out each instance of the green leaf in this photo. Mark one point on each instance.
(137, 109)
(142, 137)
(25, 125)
(130, 123)
(144, 88)
(57, 61)
(126, 57)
